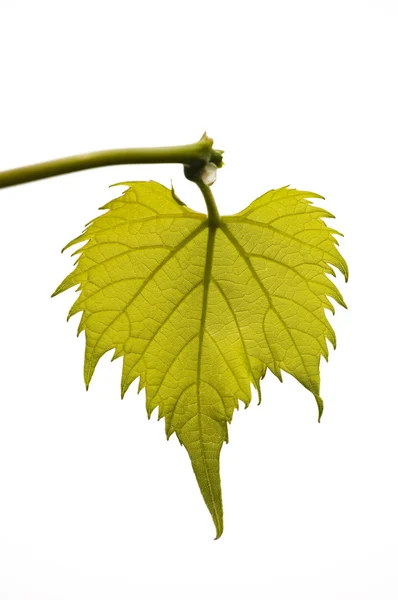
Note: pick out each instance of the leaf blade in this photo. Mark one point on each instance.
(199, 313)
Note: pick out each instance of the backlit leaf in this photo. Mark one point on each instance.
(200, 313)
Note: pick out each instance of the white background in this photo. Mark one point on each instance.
(94, 502)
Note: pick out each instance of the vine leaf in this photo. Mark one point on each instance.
(199, 313)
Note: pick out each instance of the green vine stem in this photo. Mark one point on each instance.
(194, 155)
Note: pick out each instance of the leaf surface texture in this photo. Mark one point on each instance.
(200, 313)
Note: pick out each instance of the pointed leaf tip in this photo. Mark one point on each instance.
(319, 402)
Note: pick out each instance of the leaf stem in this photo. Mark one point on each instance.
(195, 155)
(212, 210)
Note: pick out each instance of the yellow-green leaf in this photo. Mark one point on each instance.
(199, 313)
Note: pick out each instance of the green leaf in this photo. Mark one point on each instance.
(199, 313)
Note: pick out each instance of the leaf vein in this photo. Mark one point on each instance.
(237, 328)
(181, 245)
